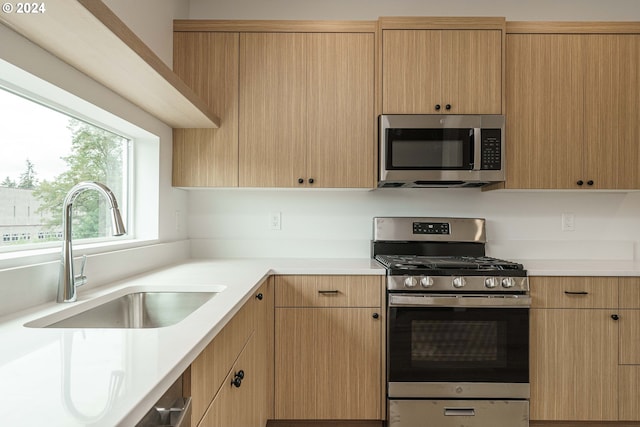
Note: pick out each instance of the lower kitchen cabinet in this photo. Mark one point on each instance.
(234, 405)
(585, 341)
(328, 347)
(245, 344)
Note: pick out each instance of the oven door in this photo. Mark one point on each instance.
(458, 346)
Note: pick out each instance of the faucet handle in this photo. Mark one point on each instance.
(81, 279)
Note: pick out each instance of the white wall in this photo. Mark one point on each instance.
(335, 223)
(522, 225)
(152, 21)
(515, 10)
(37, 274)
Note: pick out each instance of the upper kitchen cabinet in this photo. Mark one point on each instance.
(572, 105)
(307, 109)
(208, 63)
(442, 65)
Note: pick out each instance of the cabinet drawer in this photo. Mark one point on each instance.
(328, 291)
(211, 367)
(574, 292)
(629, 292)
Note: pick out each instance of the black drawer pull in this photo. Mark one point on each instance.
(334, 292)
(576, 293)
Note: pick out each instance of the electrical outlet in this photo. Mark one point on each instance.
(275, 221)
(568, 222)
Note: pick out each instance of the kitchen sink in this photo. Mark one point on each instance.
(136, 310)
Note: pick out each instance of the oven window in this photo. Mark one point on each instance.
(434, 149)
(452, 342)
(458, 344)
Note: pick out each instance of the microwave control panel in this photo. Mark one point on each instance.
(491, 143)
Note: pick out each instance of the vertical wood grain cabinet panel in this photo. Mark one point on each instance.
(213, 364)
(235, 406)
(425, 68)
(328, 363)
(612, 97)
(574, 365)
(545, 101)
(264, 312)
(208, 63)
(472, 71)
(411, 71)
(273, 119)
(629, 403)
(328, 291)
(340, 117)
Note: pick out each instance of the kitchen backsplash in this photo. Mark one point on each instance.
(338, 223)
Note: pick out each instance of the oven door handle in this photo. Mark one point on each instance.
(502, 301)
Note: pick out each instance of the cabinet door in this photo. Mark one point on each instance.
(235, 406)
(328, 363)
(545, 119)
(208, 63)
(411, 78)
(612, 116)
(273, 118)
(629, 406)
(472, 71)
(574, 365)
(340, 117)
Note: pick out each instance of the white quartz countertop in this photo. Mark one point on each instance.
(112, 377)
(581, 267)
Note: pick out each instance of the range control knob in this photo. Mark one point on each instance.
(426, 282)
(459, 282)
(491, 282)
(508, 282)
(410, 282)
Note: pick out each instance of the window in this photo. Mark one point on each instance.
(43, 153)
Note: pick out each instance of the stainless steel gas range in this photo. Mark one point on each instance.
(457, 326)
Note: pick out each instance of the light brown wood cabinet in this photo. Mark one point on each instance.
(306, 110)
(245, 344)
(437, 66)
(208, 63)
(584, 345)
(328, 339)
(295, 100)
(572, 95)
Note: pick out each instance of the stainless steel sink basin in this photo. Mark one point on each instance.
(138, 310)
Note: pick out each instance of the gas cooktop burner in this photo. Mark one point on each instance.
(414, 262)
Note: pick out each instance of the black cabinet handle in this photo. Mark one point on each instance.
(615, 317)
(259, 296)
(237, 379)
(311, 181)
(300, 181)
(448, 106)
(576, 293)
(580, 182)
(376, 315)
(437, 107)
(332, 292)
(590, 182)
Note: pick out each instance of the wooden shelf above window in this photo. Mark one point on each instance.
(89, 36)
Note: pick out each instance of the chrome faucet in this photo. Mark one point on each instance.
(68, 281)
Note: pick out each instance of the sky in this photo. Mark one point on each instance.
(30, 131)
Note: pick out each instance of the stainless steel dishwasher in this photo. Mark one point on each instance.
(171, 410)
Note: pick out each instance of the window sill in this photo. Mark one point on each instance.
(22, 258)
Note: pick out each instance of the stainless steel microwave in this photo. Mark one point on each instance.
(430, 150)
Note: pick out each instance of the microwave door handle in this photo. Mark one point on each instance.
(477, 148)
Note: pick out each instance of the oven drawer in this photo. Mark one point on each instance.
(329, 291)
(574, 292)
(456, 413)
